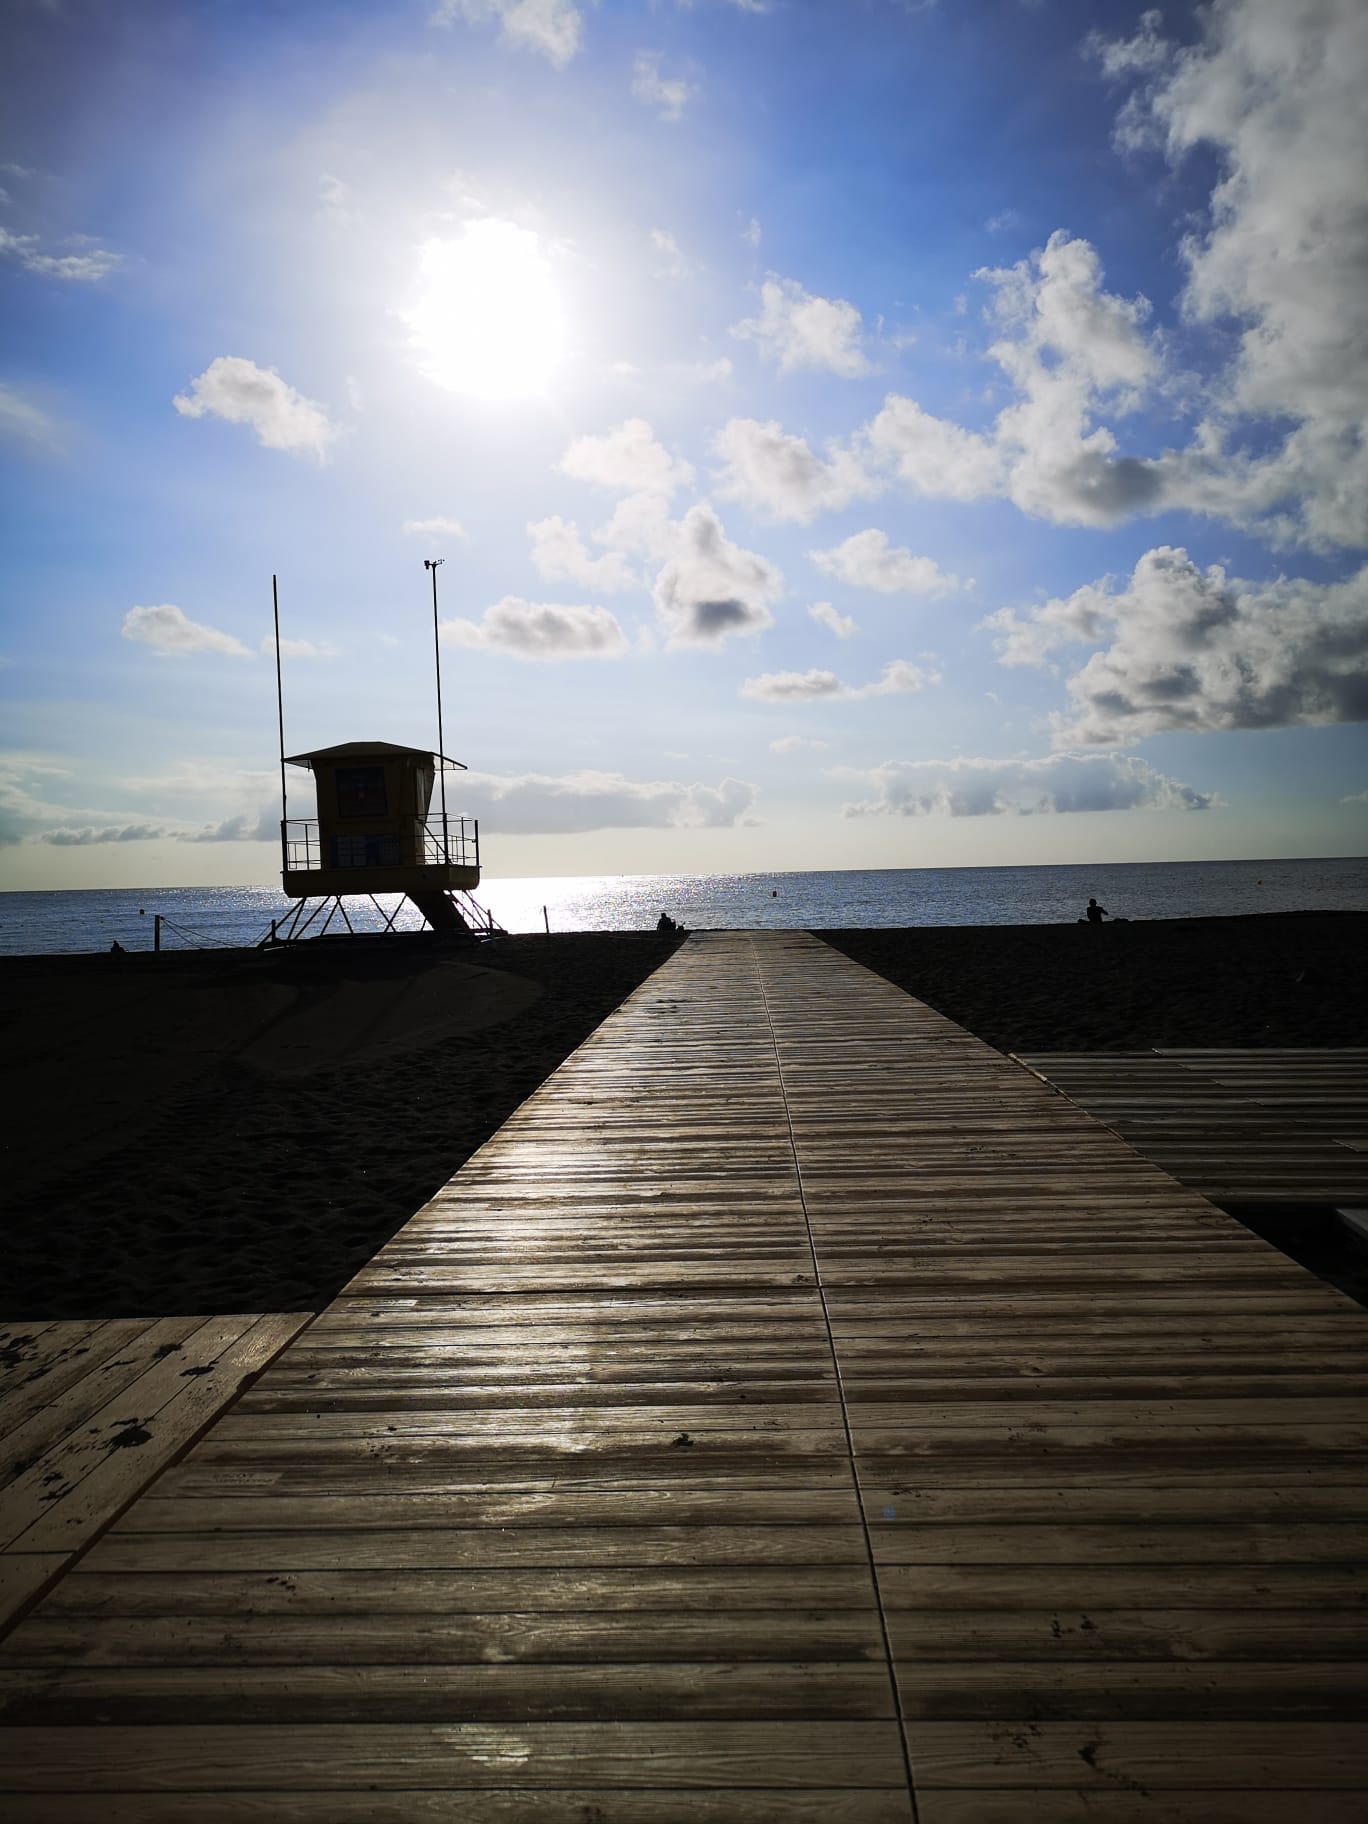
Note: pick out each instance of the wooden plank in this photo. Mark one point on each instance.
(64, 1499)
(576, 1806)
(1138, 1757)
(39, 1362)
(639, 1589)
(22, 1576)
(1118, 1806)
(409, 1692)
(729, 1757)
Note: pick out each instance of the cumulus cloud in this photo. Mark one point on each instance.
(552, 28)
(1070, 350)
(173, 635)
(1186, 648)
(434, 528)
(867, 561)
(628, 460)
(1052, 785)
(84, 268)
(669, 94)
(842, 625)
(540, 630)
(778, 475)
(797, 330)
(243, 393)
(541, 804)
(1275, 88)
(560, 555)
(711, 589)
(896, 679)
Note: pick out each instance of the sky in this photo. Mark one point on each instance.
(854, 436)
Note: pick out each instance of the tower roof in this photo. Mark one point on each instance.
(371, 750)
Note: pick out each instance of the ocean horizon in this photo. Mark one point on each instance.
(78, 920)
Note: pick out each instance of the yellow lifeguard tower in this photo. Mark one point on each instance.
(375, 831)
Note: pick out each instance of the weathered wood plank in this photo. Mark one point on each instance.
(730, 1757)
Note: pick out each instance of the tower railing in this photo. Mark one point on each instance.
(445, 841)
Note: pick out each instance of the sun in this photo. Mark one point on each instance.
(485, 317)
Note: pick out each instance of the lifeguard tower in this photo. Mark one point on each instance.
(375, 830)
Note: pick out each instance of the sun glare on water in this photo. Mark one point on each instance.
(485, 317)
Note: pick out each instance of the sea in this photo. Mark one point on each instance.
(72, 921)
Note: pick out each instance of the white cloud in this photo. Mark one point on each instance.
(243, 393)
(434, 528)
(797, 330)
(79, 268)
(866, 561)
(540, 630)
(792, 744)
(22, 421)
(710, 588)
(542, 804)
(672, 264)
(173, 635)
(1276, 89)
(1053, 785)
(1196, 650)
(703, 373)
(670, 94)
(842, 625)
(934, 456)
(1070, 350)
(560, 555)
(628, 459)
(752, 234)
(553, 28)
(897, 679)
(778, 475)
(300, 649)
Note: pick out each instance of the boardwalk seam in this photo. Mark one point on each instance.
(840, 1393)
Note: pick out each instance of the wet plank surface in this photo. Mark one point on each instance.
(91, 1412)
(1241, 1127)
(795, 1392)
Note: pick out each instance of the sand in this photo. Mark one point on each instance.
(241, 1132)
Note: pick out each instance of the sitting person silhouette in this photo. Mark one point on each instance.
(1096, 913)
(666, 923)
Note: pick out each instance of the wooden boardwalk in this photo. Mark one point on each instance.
(1241, 1127)
(796, 1414)
(91, 1411)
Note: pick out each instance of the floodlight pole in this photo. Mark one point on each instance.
(431, 563)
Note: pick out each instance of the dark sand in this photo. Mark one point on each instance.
(241, 1132)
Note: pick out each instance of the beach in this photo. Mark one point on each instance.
(226, 1132)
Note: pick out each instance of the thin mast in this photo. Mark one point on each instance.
(431, 563)
(280, 712)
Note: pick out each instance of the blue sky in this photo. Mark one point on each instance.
(872, 435)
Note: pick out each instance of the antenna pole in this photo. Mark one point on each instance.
(280, 714)
(431, 563)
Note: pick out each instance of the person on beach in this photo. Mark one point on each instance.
(1096, 913)
(666, 923)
